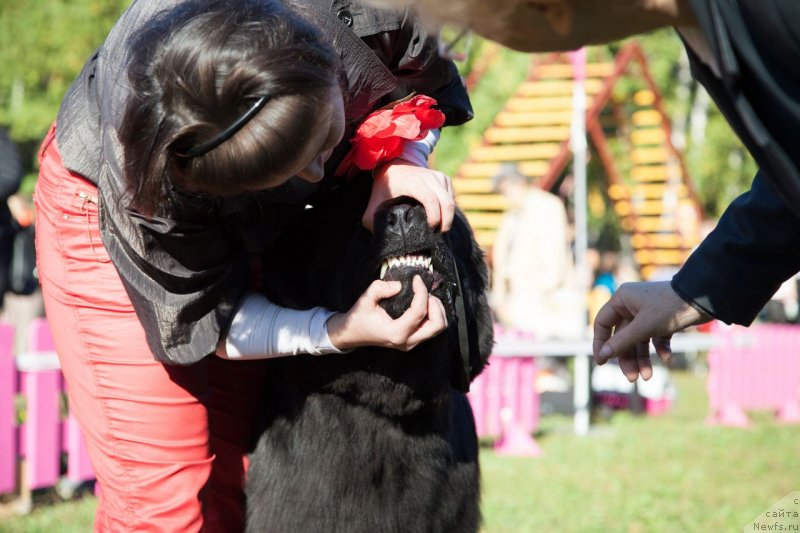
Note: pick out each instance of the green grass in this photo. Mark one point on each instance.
(650, 474)
(64, 517)
(632, 474)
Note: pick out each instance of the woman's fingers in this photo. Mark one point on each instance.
(431, 202)
(446, 201)
(409, 321)
(425, 318)
(431, 188)
(437, 198)
(367, 324)
(380, 290)
(435, 323)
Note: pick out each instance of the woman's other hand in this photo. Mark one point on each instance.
(430, 188)
(367, 324)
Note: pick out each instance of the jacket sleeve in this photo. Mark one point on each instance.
(739, 266)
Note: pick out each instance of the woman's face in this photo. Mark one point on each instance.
(323, 138)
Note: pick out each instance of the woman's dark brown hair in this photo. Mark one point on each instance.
(194, 71)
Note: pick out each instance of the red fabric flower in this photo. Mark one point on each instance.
(382, 135)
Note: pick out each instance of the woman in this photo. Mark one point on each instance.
(196, 132)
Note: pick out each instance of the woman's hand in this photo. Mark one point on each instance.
(429, 187)
(367, 324)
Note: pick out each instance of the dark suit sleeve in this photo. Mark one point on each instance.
(739, 266)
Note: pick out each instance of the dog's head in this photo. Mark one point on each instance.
(330, 260)
(406, 248)
(451, 265)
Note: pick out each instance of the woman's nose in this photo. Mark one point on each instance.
(315, 170)
(312, 173)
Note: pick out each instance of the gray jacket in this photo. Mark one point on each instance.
(185, 270)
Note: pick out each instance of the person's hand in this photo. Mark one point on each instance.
(21, 211)
(367, 324)
(636, 314)
(429, 187)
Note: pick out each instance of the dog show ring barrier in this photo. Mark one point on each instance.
(755, 368)
(504, 394)
(749, 368)
(35, 427)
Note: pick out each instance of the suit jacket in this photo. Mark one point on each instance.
(186, 267)
(756, 244)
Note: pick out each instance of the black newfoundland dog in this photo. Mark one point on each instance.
(375, 440)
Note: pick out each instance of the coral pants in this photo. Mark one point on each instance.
(167, 442)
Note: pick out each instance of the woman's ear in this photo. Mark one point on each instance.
(558, 14)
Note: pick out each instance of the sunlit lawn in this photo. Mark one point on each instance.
(670, 473)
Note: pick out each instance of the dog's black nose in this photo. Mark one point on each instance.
(403, 219)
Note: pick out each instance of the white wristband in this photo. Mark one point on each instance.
(262, 330)
(417, 152)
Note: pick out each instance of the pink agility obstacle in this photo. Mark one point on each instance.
(505, 403)
(42, 437)
(8, 415)
(754, 368)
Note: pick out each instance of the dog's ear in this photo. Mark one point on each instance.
(473, 279)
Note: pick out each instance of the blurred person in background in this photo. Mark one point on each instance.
(533, 286)
(20, 298)
(10, 180)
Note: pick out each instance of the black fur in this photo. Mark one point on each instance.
(375, 440)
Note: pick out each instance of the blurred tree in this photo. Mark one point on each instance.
(43, 46)
(488, 96)
(717, 161)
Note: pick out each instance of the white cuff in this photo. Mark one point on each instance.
(417, 152)
(262, 330)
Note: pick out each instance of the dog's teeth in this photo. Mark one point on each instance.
(423, 261)
(430, 268)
